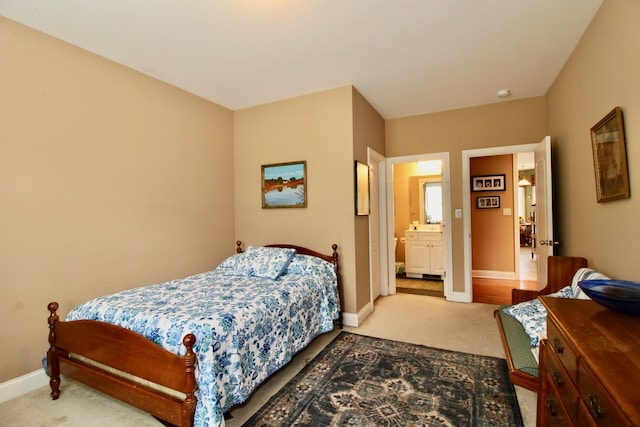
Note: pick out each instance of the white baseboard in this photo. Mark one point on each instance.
(22, 385)
(355, 320)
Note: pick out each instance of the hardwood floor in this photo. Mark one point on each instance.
(497, 291)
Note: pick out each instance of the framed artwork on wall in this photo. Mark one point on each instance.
(488, 183)
(610, 158)
(284, 185)
(491, 202)
(362, 188)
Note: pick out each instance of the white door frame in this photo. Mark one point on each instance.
(467, 155)
(446, 217)
(375, 158)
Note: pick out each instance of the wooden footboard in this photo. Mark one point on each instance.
(167, 391)
(129, 367)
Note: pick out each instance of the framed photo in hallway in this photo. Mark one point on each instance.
(488, 183)
(490, 202)
(610, 158)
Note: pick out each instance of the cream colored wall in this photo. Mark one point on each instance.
(108, 180)
(317, 128)
(602, 73)
(368, 131)
(401, 203)
(493, 235)
(494, 125)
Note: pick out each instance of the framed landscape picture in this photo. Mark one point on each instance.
(284, 185)
(610, 158)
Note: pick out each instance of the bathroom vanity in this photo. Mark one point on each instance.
(424, 252)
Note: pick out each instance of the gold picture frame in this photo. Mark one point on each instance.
(284, 185)
(610, 158)
(362, 188)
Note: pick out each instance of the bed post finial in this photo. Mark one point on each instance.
(53, 364)
(238, 246)
(53, 318)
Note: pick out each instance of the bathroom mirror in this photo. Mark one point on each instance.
(425, 199)
(431, 202)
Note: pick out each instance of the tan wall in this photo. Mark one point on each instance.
(317, 128)
(494, 125)
(402, 203)
(602, 73)
(109, 180)
(368, 131)
(492, 243)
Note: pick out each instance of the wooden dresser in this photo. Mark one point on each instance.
(589, 366)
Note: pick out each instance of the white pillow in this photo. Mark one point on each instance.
(584, 274)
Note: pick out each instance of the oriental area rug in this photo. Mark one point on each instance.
(363, 381)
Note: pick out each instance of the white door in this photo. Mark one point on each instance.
(378, 252)
(374, 236)
(544, 209)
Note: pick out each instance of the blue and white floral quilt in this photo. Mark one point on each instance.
(246, 327)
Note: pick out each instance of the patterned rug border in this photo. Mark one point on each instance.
(509, 394)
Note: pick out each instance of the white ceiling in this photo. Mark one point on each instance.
(406, 57)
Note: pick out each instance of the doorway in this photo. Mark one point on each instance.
(522, 214)
(397, 231)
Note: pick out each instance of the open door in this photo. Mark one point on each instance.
(544, 208)
(378, 266)
(544, 240)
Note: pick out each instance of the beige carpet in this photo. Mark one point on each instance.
(416, 319)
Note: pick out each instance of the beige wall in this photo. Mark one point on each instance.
(317, 128)
(327, 129)
(494, 125)
(492, 246)
(602, 73)
(108, 180)
(368, 131)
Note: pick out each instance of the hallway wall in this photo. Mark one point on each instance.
(494, 125)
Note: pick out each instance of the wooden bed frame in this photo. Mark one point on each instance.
(560, 271)
(170, 396)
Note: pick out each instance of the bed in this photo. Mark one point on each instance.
(188, 350)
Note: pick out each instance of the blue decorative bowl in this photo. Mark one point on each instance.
(618, 295)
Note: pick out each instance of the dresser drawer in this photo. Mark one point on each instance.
(601, 406)
(584, 416)
(411, 235)
(566, 355)
(562, 384)
(554, 411)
